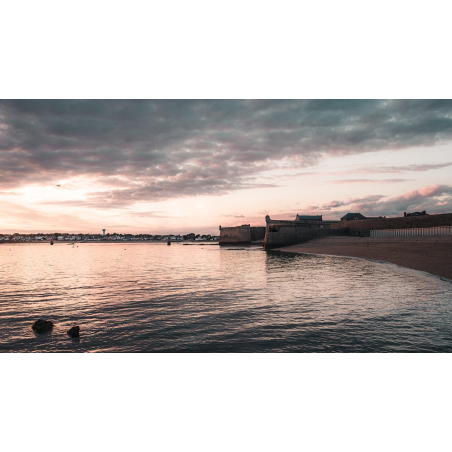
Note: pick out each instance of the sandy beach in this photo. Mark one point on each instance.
(429, 254)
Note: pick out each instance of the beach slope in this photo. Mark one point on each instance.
(429, 254)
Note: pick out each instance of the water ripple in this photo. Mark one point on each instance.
(156, 298)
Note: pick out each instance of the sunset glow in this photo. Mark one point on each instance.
(183, 166)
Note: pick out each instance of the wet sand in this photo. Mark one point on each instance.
(429, 254)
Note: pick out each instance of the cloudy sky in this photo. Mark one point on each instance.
(180, 165)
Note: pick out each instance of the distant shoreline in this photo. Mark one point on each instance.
(429, 254)
(76, 242)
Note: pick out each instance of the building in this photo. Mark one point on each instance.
(357, 216)
(308, 217)
(414, 214)
(353, 216)
(304, 227)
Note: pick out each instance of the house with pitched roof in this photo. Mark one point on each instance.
(353, 216)
(358, 216)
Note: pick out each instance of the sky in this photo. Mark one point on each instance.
(180, 166)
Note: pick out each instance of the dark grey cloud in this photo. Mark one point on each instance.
(154, 150)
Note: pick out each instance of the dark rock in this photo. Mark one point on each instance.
(74, 331)
(42, 326)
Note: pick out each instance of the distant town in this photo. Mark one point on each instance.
(104, 237)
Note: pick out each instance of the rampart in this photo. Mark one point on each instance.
(323, 224)
(241, 234)
(282, 232)
(285, 234)
(257, 233)
(237, 234)
(424, 221)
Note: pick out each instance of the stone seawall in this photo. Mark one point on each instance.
(286, 234)
(257, 233)
(424, 221)
(241, 234)
(238, 234)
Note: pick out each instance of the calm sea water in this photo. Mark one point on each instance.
(203, 298)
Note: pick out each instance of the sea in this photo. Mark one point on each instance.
(203, 298)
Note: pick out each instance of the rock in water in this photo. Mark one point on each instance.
(74, 331)
(42, 326)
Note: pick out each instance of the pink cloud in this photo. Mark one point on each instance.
(424, 192)
(334, 204)
(425, 198)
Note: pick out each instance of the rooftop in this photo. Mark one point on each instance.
(353, 216)
(308, 217)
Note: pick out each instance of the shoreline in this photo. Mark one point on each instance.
(428, 254)
(76, 242)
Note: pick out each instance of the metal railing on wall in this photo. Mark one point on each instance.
(412, 232)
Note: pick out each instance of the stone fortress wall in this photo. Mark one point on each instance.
(423, 221)
(237, 234)
(257, 233)
(241, 234)
(286, 234)
(280, 233)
